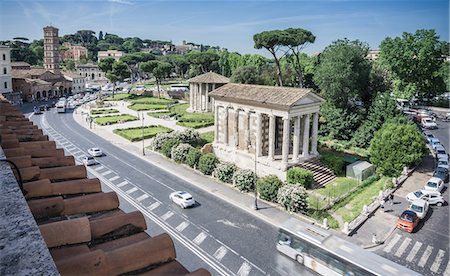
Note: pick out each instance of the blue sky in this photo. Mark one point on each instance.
(229, 24)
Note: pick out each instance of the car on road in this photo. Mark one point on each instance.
(183, 199)
(428, 123)
(89, 160)
(441, 153)
(429, 136)
(434, 184)
(96, 152)
(441, 173)
(420, 207)
(442, 163)
(407, 221)
(37, 110)
(432, 197)
(434, 142)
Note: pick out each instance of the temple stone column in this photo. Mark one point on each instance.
(247, 130)
(216, 125)
(271, 152)
(286, 138)
(296, 142)
(258, 134)
(225, 129)
(306, 137)
(236, 128)
(191, 97)
(199, 99)
(315, 133)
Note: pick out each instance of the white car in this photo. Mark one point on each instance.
(434, 184)
(442, 163)
(434, 142)
(429, 196)
(89, 160)
(183, 199)
(420, 207)
(428, 123)
(429, 136)
(441, 153)
(96, 152)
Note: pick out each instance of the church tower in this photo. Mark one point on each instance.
(51, 49)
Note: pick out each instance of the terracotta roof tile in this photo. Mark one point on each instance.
(210, 77)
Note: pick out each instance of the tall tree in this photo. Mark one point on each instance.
(414, 61)
(113, 78)
(343, 72)
(100, 35)
(207, 61)
(247, 74)
(106, 64)
(179, 63)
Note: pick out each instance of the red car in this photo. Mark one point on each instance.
(407, 221)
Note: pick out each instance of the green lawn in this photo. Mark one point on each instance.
(338, 187)
(149, 103)
(113, 119)
(135, 133)
(208, 137)
(161, 113)
(120, 96)
(104, 111)
(351, 207)
(141, 107)
(192, 120)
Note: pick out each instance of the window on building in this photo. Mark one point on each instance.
(4, 71)
(6, 85)
(4, 56)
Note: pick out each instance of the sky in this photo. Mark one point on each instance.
(227, 23)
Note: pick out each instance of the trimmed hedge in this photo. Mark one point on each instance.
(244, 180)
(333, 162)
(300, 176)
(225, 171)
(180, 152)
(193, 157)
(167, 146)
(104, 111)
(268, 187)
(293, 198)
(135, 133)
(207, 163)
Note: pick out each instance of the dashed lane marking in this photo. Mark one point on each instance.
(121, 184)
(132, 190)
(220, 253)
(142, 197)
(167, 215)
(182, 226)
(153, 206)
(391, 244)
(244, 270)
(106, 173)
(437, 261)
(414, 251)
(447, 269)
(99, 168)
(402, 247)
(423, 260)
(114, 178)
(200, 238)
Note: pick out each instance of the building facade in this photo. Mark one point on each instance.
(90, 71)
(51, 50)
(73, 52)
(199, 88)
(5, 67)
(115, 54)
(78, 82)
(272, 128)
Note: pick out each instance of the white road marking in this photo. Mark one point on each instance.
(425, 256)
(114, 178)
(402, 247)
(244, 270)
(200, 238)
(132, 190)
(220, 253)
(437, 261)
(99, 168)
(106, 173)
(153, 206)
(167, 215)
(77, 151)
(182, 226)
(414, 251)
(142, 197)
(447, 269)
(391, 244)
(121, 184)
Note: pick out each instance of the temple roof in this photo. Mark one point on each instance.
(210, 77)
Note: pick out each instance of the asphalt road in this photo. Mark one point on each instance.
(427, 249)
(214, 234)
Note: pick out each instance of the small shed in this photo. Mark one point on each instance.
(360, 170)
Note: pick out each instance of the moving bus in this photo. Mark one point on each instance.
(60, 107)
(329, 255)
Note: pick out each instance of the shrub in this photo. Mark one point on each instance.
(189, 136)
(225, 171)
(334, 163)
(180, 152)
(244, 180)
(300, 176)
(193, 157)
(207, 163)
(268, 187)
(159, 140)
(293, 198)
(166, 149)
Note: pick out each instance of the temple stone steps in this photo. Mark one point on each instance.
(321, 174)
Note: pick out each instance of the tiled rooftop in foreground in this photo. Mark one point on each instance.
(84, 229)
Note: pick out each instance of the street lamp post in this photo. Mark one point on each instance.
(143, 146)
(255, 207)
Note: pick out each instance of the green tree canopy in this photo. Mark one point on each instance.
(247, 74)
(106, 64)
(207, 61)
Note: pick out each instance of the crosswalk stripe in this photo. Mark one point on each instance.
(447, 269)
(402, 247)
(182, 226)
(414, 251)
(132, 190)
(106, 173)
(200, 238)
(121, 184)
(437, 261)
(391, 244)
(244, 270)
(220, 253)
(167, 215)
(153, 206)
(114, 178)
(99, 168)
(142, 197)
(423, 260)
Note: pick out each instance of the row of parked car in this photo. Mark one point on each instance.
(431, 194)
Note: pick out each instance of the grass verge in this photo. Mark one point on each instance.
(135, 133)
(104, 111)
(114, 119)
(191, 120)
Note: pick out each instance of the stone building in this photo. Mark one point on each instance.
(78, 82)
(51, 49)
(20, 65)
(5, 67)
(73, 52)
(274, 127)
(199, 88)
(115, 54)
(90, 71)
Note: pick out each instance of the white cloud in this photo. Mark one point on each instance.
(125, 2)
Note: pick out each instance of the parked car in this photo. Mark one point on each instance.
(89, 160)
(429, 196)
(434, 184)
(183, 199)
(435, 143)
(37, 110)
(407, 221)
(429, 136)
(441, 154)
(96, 152)
(441, 173)
(442, 163)
(420, 207)
(428, 123)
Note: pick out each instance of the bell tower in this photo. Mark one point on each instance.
(51, 49)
